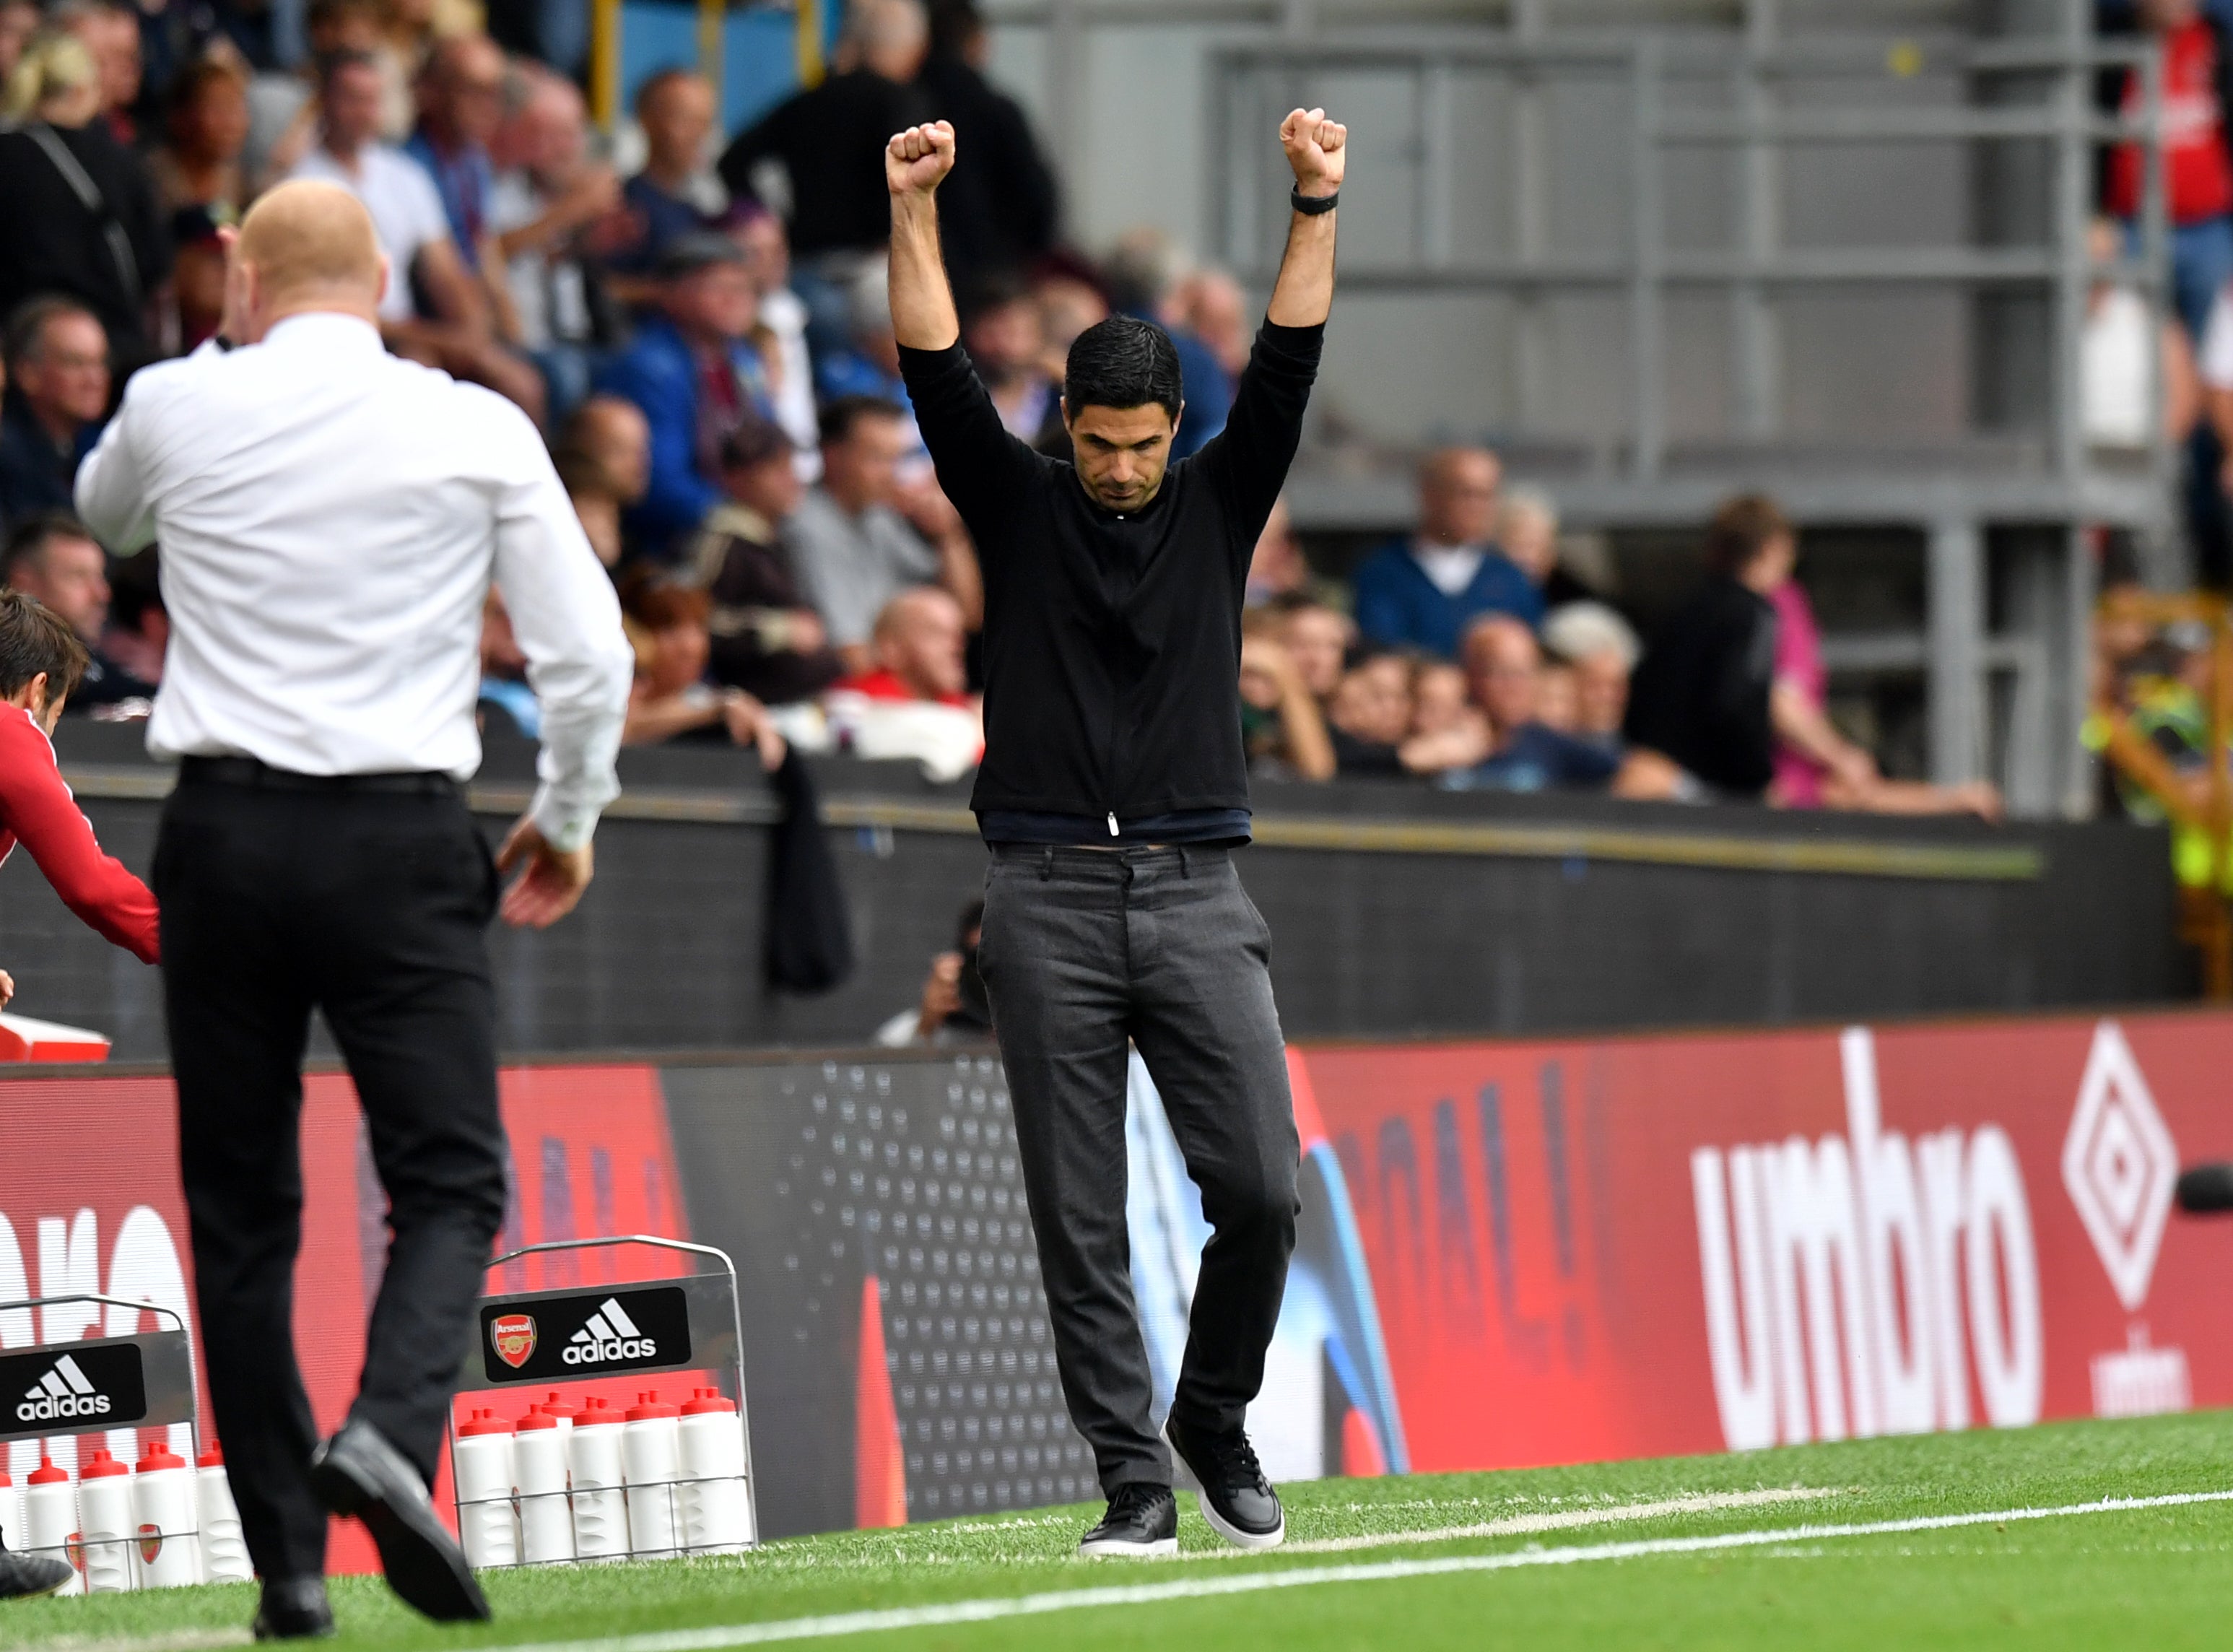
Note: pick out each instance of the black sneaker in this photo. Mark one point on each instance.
(359, 1472)
(27, 1576)
(1236, 1500)
(1142, 1522)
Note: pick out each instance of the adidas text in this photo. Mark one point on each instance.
(597, 1353)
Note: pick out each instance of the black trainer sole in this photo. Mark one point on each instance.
(424, 1564)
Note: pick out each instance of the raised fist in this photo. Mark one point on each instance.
(917, 160)
(1317, 148)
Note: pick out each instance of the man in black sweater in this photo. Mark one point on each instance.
(1112, 793)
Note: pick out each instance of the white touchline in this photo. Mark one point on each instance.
(1196, 1588)
(1517, 1526)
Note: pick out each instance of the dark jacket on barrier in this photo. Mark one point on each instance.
(1701, 695)
(1112, 643)
(810, 930)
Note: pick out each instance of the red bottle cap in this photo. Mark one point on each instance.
(213, 1458)
(537, 1417)
(703, 1401)
(158, 1457)
(47, 1474)
(557, 1405)
(102, 1467)
(594, 1412)
(647, 1406)
(4, 1480)
(484, 1421)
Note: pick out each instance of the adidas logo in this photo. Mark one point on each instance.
(609, 1334)
(62, 1393)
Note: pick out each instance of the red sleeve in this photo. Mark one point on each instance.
(38, 808)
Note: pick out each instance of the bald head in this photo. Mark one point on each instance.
(311, 246)
(920, 638)
(1457, 496)
(1504, 667)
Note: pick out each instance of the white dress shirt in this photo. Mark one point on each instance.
(331, 518)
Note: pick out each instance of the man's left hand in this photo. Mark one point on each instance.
(552, 882)
(1317, 148)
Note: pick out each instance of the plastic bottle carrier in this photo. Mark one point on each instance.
(655, 1478)
(90, 1386)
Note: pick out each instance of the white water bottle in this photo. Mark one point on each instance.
(593, 1456)
(650, 1449)
(717, 1509)
(104, 1496)
(556, 1405)
(539, 1464)
(163, 1498)
(224, 1552)
(11, 1511)
(50, 1520)
(485, 1482)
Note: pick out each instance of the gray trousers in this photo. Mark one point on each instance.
(1083, 951)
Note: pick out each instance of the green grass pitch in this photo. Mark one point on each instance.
(2157, 1576)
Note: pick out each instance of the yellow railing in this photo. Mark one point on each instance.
(2205, 917)
(712, 17)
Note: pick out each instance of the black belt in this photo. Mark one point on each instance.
(252, 772)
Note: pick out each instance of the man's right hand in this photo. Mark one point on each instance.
(552, 882)
(917, 160)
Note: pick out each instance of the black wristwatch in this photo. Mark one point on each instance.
(1311, 205)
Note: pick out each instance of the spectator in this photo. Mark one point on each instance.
(1441, 707)
(54, 558)
(1702, 695)
(138, 633)
(2200, 172)
(1601, 649)
(460, 106)
(1144, 272)
(673, 196)
(1069, 302)
(612, 434)
(828, 141)
(1425, 590)
(104, 244)
(1527, 533)
(759, 234)
(1525, 754)
(1816, 766)
(110, 31)
(955, 1006)
(997, 209)
(670, 698)
(869, 364)
(765, 638)
(597, 506)
(19, 21)
(1000, 328)
(282, 109)
(1371, 717)
(454, 331)
(57, 394)
(1282, 729)
(549, 208)
(1317, 640)
(696, 378)
(1215, 311)
(859, 537)
(913, 702)
(205, 126)
(197, 276)
(1558, 699)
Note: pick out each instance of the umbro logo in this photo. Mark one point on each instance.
(62, 1394)
(609, 1334)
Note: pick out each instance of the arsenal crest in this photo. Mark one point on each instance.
(151, 1543)
(512, 1336)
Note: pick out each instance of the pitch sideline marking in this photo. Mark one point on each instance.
(1513, 1525)
(985, 1610)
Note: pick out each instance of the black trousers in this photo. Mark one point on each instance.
(1083, 951)
(371, 906)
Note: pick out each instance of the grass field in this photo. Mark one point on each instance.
(1738, 1551)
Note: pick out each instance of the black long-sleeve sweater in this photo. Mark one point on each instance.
(1112, 643)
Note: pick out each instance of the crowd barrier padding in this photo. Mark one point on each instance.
(1512, 1254)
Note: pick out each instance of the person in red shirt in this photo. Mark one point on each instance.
(2197, 165)
(40, 663)
(918, 646)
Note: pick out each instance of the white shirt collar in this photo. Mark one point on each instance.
(326, 329)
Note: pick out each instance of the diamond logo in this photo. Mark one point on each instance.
(2118, 1163)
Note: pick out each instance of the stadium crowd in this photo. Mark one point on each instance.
(705, 337)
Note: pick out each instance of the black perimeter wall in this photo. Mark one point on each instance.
(1463, 914)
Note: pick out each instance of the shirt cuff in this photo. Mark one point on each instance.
(565, 826)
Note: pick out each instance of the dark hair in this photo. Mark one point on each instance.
(1741, 530)
(27, 324)
(996, 290)
(33, 639)
(33, 535)
(135, 589)
(838, 416)
(657, 81)
(1122, 362)
(752, 443)
(348, 57)
(187, 84)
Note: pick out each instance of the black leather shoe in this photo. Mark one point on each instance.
(27, 1576)
(1142, 1522)
(358, 1473)
(294, 1609)
(1236, 1500)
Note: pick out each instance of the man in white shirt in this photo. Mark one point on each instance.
(331, 518)
(454, 331)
